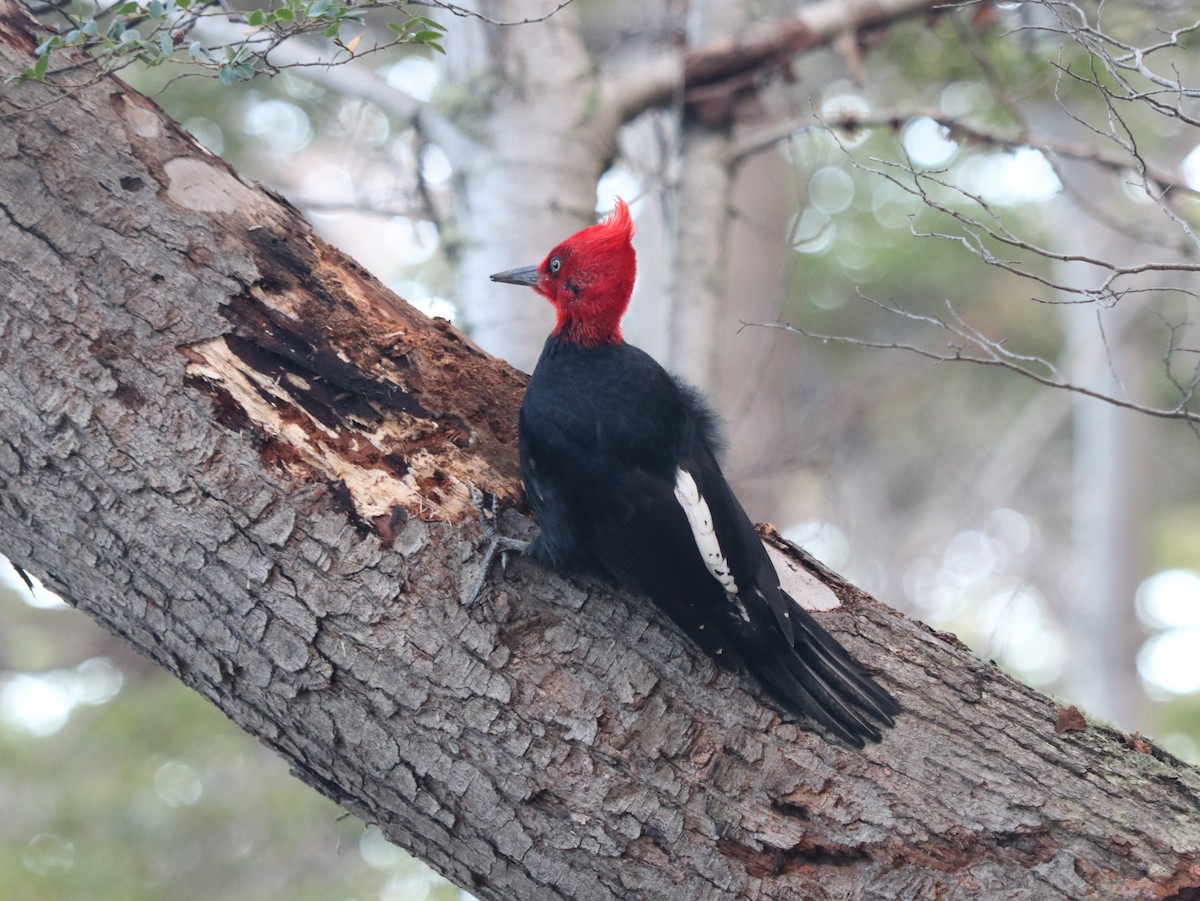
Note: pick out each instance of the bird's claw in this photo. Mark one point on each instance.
(499, 545)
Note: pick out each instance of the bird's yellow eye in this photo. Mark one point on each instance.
(555, 265)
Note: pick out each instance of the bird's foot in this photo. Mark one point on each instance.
(499, 545)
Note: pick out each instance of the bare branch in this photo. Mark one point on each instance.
(976, 231)
(776, 133)
(975, 348)
(465, 13)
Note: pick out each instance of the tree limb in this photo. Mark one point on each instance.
(712, 74)
(232, 446)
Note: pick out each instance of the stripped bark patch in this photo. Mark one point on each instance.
(340, 380)
(1069, 719)
(384, 458)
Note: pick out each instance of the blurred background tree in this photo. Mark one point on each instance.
(907, 187)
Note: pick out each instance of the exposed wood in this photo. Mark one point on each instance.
(227, 443)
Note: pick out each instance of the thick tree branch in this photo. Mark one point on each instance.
(713, 75)
(230, 445)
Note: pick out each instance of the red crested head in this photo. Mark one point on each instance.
(588, 278)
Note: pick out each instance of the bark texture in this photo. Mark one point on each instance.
(230, 445)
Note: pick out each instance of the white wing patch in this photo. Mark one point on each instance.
(699, 517)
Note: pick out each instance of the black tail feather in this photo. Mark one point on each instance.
(782, 683)
(815, 676)
(837, 667)
(837, 696)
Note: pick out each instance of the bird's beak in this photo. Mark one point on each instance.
(527, 276)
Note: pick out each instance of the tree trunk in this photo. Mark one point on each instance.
(224, 441)
(528, 150)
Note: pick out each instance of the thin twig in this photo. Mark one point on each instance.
(995, 355)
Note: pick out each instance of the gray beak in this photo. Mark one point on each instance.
(527, 276)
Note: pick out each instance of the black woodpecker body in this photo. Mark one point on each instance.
(619, 462)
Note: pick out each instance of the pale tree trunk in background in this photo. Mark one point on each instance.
(1109, 511)
(224, 441)
(763, 371)
(699, 280)
(1105, 350)
(703, 197)
(729, 266)
(529, 145)
(649, 149)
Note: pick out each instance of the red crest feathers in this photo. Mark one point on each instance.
(589, 279)
(619, 223)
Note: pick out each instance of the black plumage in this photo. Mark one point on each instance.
(603, 432)
(620, 462)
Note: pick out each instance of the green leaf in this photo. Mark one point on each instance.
(126, 9)
(155, 9)
(47, 45)
(74, 36)
(89, 27)
(436, 46)
(256, 17)
(318, 8)
(284, 14)
(426, 21)
(232, 74)
(165, 44)
(332, 30)
(195, 51)
(40, 67)
(183, 4)
(425, 37)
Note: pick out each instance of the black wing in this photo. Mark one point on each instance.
(760, 629)
(603, 477)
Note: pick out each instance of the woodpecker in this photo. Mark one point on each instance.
(619, 460)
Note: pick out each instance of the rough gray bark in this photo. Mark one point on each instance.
(228, 444)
